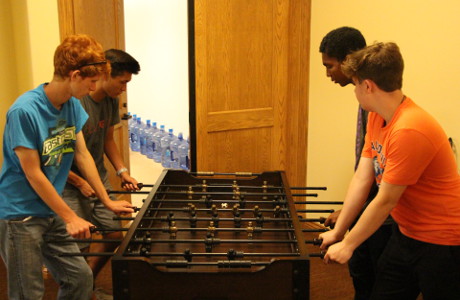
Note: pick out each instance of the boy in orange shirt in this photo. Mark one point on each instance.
(409, 155)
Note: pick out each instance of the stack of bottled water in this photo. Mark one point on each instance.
(184, 155)
(134, 133)
(165, 144)
(171, 151)
(143, 133)
(150, 145)
(175, 151)
(131, 124)
(156, 143)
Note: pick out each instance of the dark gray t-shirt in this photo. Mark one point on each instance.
(102, 115)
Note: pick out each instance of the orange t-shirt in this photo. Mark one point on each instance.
(413, 150)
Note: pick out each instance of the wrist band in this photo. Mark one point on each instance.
(121, 171)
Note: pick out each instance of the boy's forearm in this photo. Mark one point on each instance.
(75, 180)
(114, 156)
(87, 167)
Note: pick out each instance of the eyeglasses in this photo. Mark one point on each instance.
(92, 64)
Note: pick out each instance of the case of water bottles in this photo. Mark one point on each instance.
(161, 146)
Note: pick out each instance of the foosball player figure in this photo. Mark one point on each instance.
(188, 255)
(264, 190)
(215, 220)
(260, 220)
(232, 254)
(192, 209)
(204, 186)
(190, 192)
(250, 230)
(242, 201)
(234, 185)
(276, 200)
(193, 220)
(211, 229)
(236, 215)
(209, 242)
(146, 244)
(173, 230)
(170, 218)
(207, 200)
(236, 210)
(256, 211)
(144, 251)
(236, 193)
(214, 210)
(277, 211)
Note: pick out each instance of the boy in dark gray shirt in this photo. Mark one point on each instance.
(102, 108)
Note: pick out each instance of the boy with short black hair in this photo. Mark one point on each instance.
(102, 106)
(335, 47)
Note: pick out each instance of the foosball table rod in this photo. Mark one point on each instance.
(264, 219)
(205, 185)
(231, 254)
(223, 210)
(182, 241)
(219, 264)
(242, 210)
(168, 229)
(246, 194)
(228, 201)
(254, 230)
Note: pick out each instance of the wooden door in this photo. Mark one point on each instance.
(102, 19)
(251, 67)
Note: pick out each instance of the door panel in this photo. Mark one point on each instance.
(102, 19)
(251, 66)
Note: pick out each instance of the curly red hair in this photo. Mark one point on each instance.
(80, 52)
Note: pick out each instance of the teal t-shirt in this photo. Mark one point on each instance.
(33, 122)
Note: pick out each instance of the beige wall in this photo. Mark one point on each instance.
(428, 33)
(8, 75)
(29, 34)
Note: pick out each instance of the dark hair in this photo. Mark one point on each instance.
(342, 41)
(381, 62)
(121, 62)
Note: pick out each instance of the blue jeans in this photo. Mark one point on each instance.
(408, 267)
(26, 244)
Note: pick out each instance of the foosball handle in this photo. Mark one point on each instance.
(320, 254)
(140, 185)
(317, 241)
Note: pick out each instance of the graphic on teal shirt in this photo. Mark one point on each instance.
(61, 140)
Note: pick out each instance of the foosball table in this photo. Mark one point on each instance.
(215, 237)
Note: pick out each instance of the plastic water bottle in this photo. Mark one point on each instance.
(131, 123)
(175, 151)
(156, 143)
(143, 131)
(165, 143)
(130, 118)
(184, 155)
(135, 135)
(149, 140)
